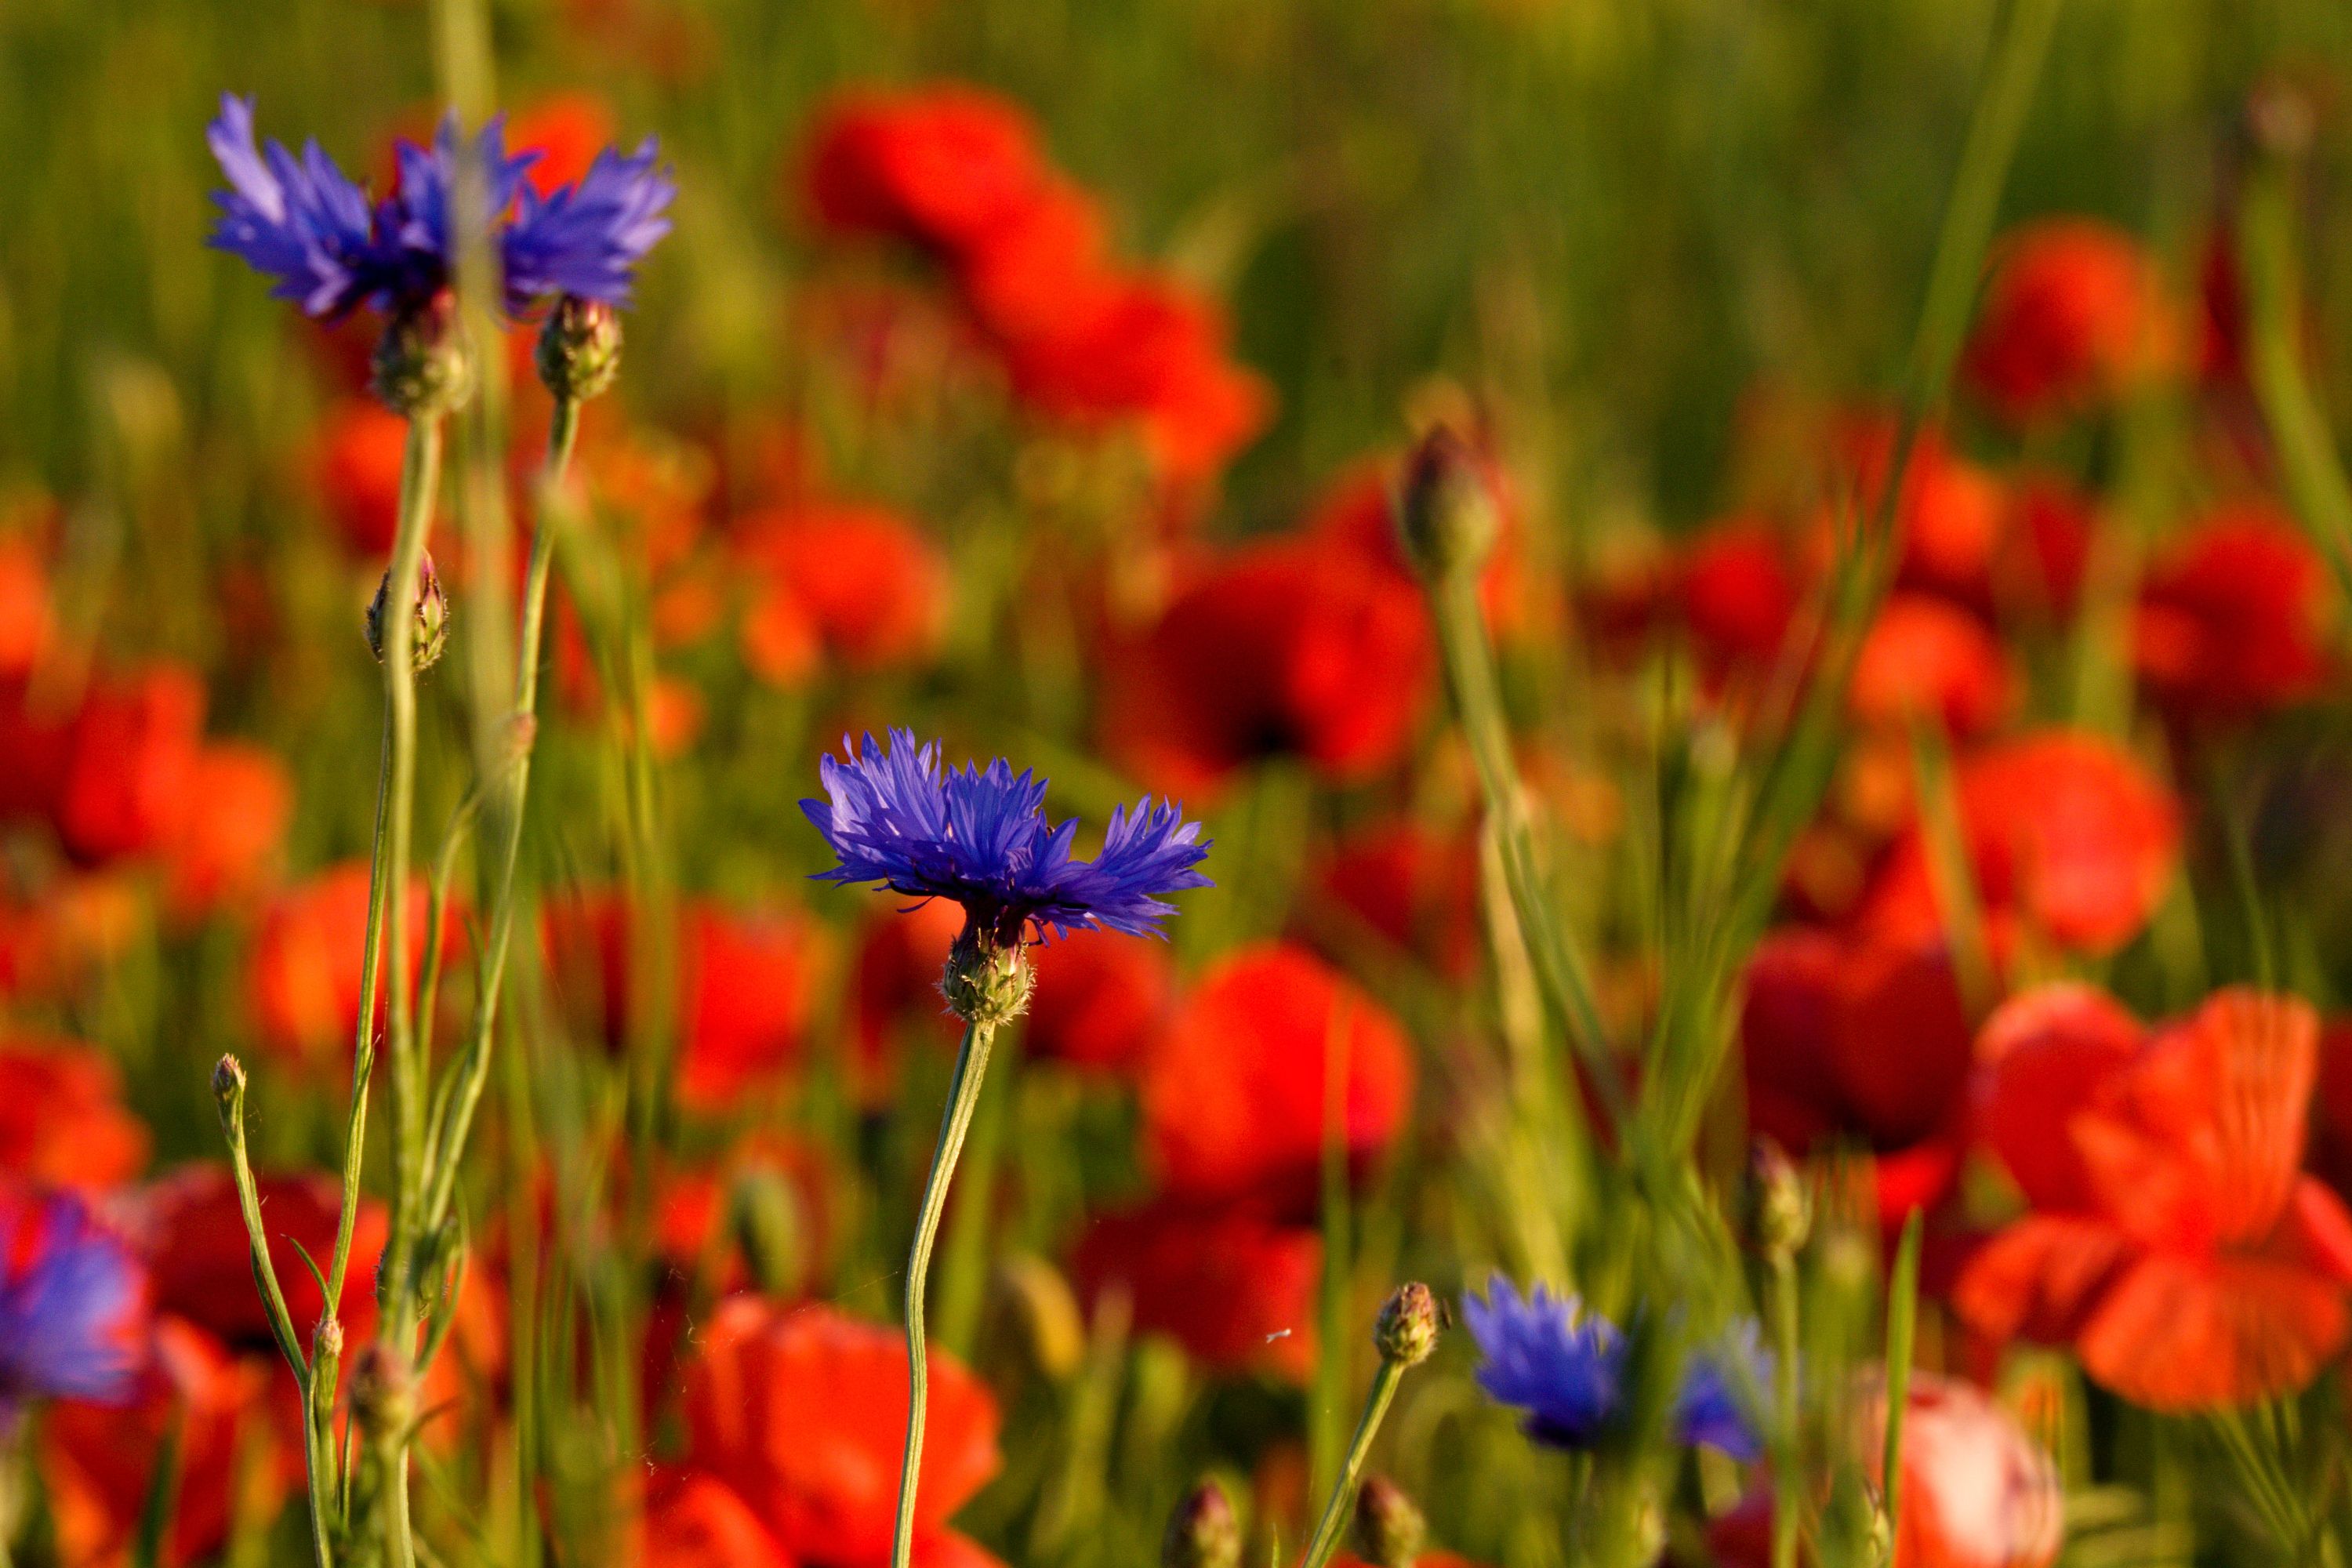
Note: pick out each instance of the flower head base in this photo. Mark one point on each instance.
(422, 363)
(580, 349)
(333, 248)
(980, 837)
(71, 1302)
(1410, 1321)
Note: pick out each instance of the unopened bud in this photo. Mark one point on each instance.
(432, 617)
(1410, 1321)
(421, 367)
(327, 1341)
(1779, 1210)
(1444, 507)
(580, 348)
(1390, 1530)
(988, 979)
(384, 1393)
(2280, 120)
(1203, 1531)
(229, 1080)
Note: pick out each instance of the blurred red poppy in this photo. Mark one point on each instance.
(938, 166)
(1101, 1000)
(244, 801)
(1285, 647)
(308, 957)
(99, 1460)
(2074, 314)
(2233, 617)
(201, 1264)
(27, 620)
(355, 463)
(854, 583)
(1238, 1291)
(1923, 659)
(2204, 1270)
(698, 1521)
(1234, 1099)
(1739, 591)
(1414, 888)
(1977, 1490)
(61, 1116)
(117, 777)
(2069, 839)
(2041, 1058)
(567, 130)
(802, 1411)
(1041, 267)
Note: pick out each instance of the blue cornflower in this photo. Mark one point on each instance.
(982, 838)
(1544, 1356)
(331, 248)
(1717, 1406)
(70, 1302)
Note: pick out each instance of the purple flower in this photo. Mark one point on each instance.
(1542, 1355)
(72, 1300)
(980, 837)
(1718, 1403)
(331, 248)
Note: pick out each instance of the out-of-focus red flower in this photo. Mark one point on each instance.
(2074, 314)
(567, 130)
(355, 463)
(802, 1411)
(1923, 659)
(1416, 888)
(2222, 313)
(1234, 1097)
(894, 985)
(1739, 591)
(696, 1520)
(130, 765)
(1238, 1291)
(859, 584)
(1977, 1490)
(2233, 617)
(938, 166)
(1357, 510)
(244, 801)
(1154, 350)
(309, 955)
(1101, 1000)
(2204, 1270)
(1842, 1036)
(2068, 836)
(61, 1116)
(747, 985)
(27, 621)
(1285, 647)
(201, 1264)
(2045, 550)
(99, 1460)
(1041, 267)
(2041, 1058)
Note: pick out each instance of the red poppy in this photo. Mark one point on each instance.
(1238, 1291)
(308, 957)
(1977, 1490)
(99, 1460)
(698, 1521)
(2068, 836)
(2233, 617)
(894, 988)
(355, 462)
(245, 801)
(27, 621)
(1416, 888)
(1283, 647)
(1041, 267)
(61, 1116)
(128, 768)
(567, 130)
(939, 166)
(1923, 659)
(201, 1263)
(1101, 1000)
(2044, 552)
(1738, 591)
(802, 1411)
(2200, 1268)
(2074, 315)
(1234, 1099)
(856, 583)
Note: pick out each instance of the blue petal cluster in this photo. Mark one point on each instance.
(982, 838)
(70, 1298)
(1565, 1370)
(332, 249)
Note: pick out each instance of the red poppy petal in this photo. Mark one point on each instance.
(2180, 1334)
(2040, 1278)
(2040, 1058)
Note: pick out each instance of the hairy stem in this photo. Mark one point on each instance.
(1326, 1539)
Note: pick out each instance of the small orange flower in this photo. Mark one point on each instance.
(1100, 1000)
(938, 166)
(1924, 658)
(61, 1116)
(308, 960)
(1978, 1491)
(355, 462)
(244, 801)
(854, 582)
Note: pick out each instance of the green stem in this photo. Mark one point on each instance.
(964, 1272)
(963, 1095)
(363, 1046)
(1902, 1327)
(1325, 1540)
(1786, 1488)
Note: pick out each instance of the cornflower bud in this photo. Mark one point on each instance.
(423, 367)
(1203, 1531)
(580, 348)
(228, 1081)
(383, 1392)
(432, 617)
(1410, 1321)
(1445, 507)
(1389, 1530)
(1779, 1210)
(987, 980)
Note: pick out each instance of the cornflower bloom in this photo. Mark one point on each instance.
(980, 837)
(71, 1303)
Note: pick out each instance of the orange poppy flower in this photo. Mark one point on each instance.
(1234, 1097)
(223, 847)
(2180, 1250)
(697, 1522)
(1977, 1490)
(802, 1411)
(938, 166)
(856, 583)
(61, 1116)
(355, 462)
(1416, 888)
(1926, 658)
(567, 130)
(308, 960)
(129, 773)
